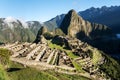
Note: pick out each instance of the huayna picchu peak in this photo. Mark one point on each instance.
(74, 25)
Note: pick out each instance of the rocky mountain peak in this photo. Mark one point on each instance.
(72, 12)
(71, 20)
(74, 26)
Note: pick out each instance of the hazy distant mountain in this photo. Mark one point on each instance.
(105, 15)
(54, 22)
(109, 16)
(34, 26)
(12, 30)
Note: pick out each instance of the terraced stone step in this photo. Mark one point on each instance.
(50, 57)
(40, 55)
(46, 55)
(20, 52)
(33, 52)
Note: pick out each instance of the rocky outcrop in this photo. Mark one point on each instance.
(40, 34)
(59, 40)
(75, 26)
(42, 30)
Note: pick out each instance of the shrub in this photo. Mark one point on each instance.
(4, 57)
(111, 67)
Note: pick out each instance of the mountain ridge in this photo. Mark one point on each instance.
(12, 30)
(97, 13)
(105, 15)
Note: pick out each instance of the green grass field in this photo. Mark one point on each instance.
(69, 52)
(3, 74)
(18, 72)
(4, 63)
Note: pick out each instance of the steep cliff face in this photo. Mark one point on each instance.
(75, 26)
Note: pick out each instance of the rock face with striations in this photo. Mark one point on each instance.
(74, 26)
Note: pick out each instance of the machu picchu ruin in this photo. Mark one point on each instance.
(80, 58)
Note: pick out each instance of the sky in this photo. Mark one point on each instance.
(43, 10)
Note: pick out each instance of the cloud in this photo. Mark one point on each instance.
(24, 24)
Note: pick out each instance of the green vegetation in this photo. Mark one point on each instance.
(21, 73)
(58, 31)
(4, 63)
(3, 75)
(1, 43)
(51, 45)
(77, 66)
(48, 35)
(71, 55)
(18, 33)
(18, 72)
(111, 67)
(4, 57)
(69, 52)
(61, 76)
(96, 56)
